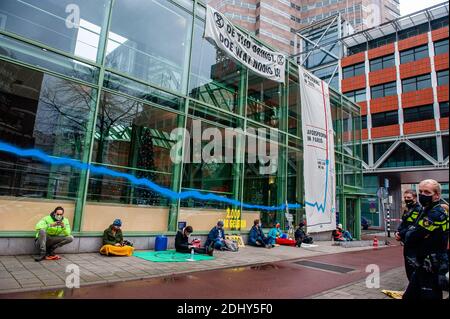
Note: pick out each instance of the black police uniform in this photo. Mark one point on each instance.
(408, 219)
(428, 239)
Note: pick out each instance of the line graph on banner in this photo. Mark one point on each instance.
(94, 169)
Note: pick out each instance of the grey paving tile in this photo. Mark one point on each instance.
(8, 284)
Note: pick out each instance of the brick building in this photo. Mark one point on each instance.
(276, 21)
(398, 73)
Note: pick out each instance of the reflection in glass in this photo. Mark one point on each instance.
(154, 45)
(54, 23)
(47, 113)
(135, 135)
(214, 77)
(264, 101)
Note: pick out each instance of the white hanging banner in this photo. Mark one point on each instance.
(318, 164)
(242, 48)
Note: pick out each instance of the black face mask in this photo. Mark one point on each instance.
(425, 200)
(409, 203)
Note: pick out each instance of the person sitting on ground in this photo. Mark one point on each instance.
(113, 243)
(256, 237)
(301, 237)
(340, 235)
(277, 236)
(274, 234)
(52, 231)
(217, 237)
(182, 244)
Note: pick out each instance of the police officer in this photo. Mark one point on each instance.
(413, 209)
(427, 239)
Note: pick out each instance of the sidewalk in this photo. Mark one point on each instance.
(394, 279)
(22, 273)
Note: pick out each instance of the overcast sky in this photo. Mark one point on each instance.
(410, 6)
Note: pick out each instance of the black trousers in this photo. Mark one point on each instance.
(408, 267)
(423, 286)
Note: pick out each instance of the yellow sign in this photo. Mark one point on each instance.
(237, 239)
(233, 219)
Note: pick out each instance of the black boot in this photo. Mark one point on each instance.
(40, 257)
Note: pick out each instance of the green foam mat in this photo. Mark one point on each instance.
(169, 256)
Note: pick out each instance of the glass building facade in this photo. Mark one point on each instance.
(106, 82)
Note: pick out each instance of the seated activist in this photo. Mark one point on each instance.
(276, 236)
(182, 244)
(113, 243)
(301, 237)
(52, 231)
(340, 235)
(256, 237)
(217, 237)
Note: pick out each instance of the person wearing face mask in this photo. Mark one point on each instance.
(256, 237)
(216, 237)
(52, 231)
(427, 239)
(182, 244)
(413, 209)
(113, 243)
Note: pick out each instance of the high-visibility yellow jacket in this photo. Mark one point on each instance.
(45, 223)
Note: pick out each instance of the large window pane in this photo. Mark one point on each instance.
(53, 23)
(264, 100)
(110, 189)
(50, 114)
(135, 136)
(212, 172)
(441, 47)
(442, 77)
(47, 60)
(149, 39)
(132, 134)
(214, 77)
(294, 107)
(261, 181)
(420, 113)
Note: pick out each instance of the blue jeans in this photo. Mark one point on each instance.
(348, 236)
(219, 244)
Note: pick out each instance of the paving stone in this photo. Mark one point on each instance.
(8, 284)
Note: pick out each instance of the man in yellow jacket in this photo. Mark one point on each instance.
(52, 231)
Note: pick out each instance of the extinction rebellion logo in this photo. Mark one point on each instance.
(219, 20)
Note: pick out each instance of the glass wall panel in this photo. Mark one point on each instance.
(72, 26)
(30, 54)
(142, 91)
(47, 113)
(294, 107)
(209, 165)
(261, 175)
(295, 181)
(264, 101)
(149, 40)
(214, 77)
(134, 135)
(108, 189)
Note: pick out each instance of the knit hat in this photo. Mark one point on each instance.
(220, 223)
(277, 225)
(117, 222)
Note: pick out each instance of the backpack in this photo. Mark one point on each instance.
(231, 245)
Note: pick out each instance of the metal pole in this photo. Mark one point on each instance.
(388, 216)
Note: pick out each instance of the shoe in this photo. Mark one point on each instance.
(39, 257)
(52, 257)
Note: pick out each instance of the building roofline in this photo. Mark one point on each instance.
(429, 14)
